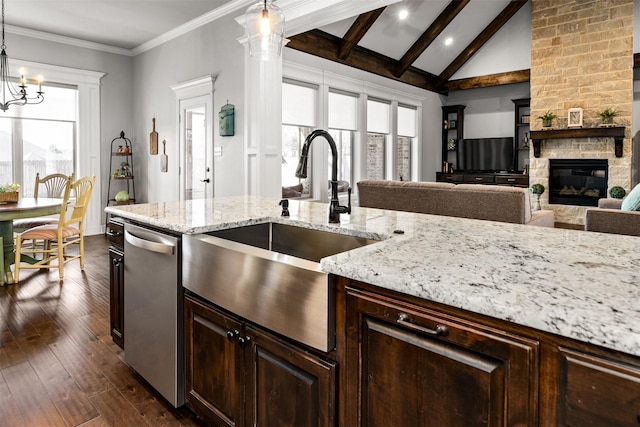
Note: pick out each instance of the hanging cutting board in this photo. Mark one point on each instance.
(153, 139)
(163, 158)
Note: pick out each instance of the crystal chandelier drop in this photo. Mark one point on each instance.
(265, 30)
(8, 92)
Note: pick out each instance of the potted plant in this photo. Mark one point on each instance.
(537, 189)
(617, 192)
(607, 116)
(547, 118)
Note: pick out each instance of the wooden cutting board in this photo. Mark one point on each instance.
(163, 158)
(153, 139)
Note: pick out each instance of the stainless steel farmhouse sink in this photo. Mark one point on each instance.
(269, 274)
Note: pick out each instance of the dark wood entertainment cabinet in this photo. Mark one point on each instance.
(510, 179)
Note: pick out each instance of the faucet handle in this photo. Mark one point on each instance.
(285, 207)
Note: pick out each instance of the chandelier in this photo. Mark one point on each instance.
(265, 30)
(9, 93)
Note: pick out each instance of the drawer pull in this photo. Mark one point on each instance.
(511, 180)
(479, 178)
(438, 331)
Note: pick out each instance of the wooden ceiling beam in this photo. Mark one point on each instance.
(425, 40)
(325, 45)
(495, 25)
(511, 77)
(356, 32)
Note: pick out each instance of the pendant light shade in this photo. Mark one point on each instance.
(265, 30)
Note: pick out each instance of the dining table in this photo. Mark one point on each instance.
(25, 207)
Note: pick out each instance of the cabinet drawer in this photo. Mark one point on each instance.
(449, 177)
(513, 180)
(479, 179)
(116, 232)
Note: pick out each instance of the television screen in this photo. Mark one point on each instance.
(485, 154)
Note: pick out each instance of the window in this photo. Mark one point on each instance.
(406, 134)
(377, 133)
(39, 138)
(343, 121)
(298, 120)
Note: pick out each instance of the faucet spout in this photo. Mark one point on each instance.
(301, 172)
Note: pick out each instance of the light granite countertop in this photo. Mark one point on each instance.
(577, 284)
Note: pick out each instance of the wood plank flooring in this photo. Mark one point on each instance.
(58, 364)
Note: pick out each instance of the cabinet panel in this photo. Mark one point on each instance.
(213, 365)
(116, 295)
(479, 179)
(410, 366)
(597, 392)
(287, 386)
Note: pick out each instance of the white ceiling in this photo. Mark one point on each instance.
(123, 24)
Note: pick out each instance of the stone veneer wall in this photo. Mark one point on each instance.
(581, 56)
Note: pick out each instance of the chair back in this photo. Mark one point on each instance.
(54, 184)
(81, 189)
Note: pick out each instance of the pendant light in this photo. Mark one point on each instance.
(9, 94)
(265, 30)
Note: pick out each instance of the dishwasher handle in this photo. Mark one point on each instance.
(149, 245)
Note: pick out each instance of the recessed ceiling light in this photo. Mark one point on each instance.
(403, 14)
(448, 41)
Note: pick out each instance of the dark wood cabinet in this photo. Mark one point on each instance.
(510, 179)
(410, 366)
(115, 231)
(237, 374)
(595, 391)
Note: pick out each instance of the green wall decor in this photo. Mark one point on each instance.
(227, 125)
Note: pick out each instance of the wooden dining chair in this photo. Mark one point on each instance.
(68, 231)
(53, 186)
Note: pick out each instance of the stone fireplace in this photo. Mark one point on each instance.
(581, 57)
(578, 182)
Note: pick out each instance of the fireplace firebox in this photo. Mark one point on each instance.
(578, 182)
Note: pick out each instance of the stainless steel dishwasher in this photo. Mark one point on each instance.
(153, 338)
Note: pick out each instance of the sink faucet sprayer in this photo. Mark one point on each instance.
(301, 172)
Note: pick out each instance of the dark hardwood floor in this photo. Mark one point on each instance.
(58, 365)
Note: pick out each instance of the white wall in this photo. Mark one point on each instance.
(208, 50)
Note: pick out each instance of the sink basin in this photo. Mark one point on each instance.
(270, 275)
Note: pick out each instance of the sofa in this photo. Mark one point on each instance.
(609, 218)
(477, 201)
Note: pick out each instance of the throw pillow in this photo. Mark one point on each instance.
(632, 201)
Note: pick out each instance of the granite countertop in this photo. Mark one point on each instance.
(577, 284)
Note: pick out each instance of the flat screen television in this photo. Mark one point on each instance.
(485, 154)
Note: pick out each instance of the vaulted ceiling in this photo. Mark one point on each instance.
(414, 53)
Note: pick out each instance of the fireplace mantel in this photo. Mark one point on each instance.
(616, 132)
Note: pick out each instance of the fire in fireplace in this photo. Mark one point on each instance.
(578, 182)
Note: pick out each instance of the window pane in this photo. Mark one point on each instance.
(377, 116)
(6, 153)
(375, 156)
(343, 111)
(403, 165)
(298, 105)
(406, 121)
(60, 104)
(292, 139)
(47, 147)
(343, 139)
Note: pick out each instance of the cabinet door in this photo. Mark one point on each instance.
(116, 295)
(287, 386)
(408, 366)
(213, 365)
(597, 392)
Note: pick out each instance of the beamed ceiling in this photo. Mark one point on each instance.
(409, 63)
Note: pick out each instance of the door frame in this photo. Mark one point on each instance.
(196, 92)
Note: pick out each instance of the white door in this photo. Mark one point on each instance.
(197, 145)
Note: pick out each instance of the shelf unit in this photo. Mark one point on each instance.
(121, 174)
(521, 133)
(452, 132)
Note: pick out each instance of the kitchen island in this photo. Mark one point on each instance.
(571, 284)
